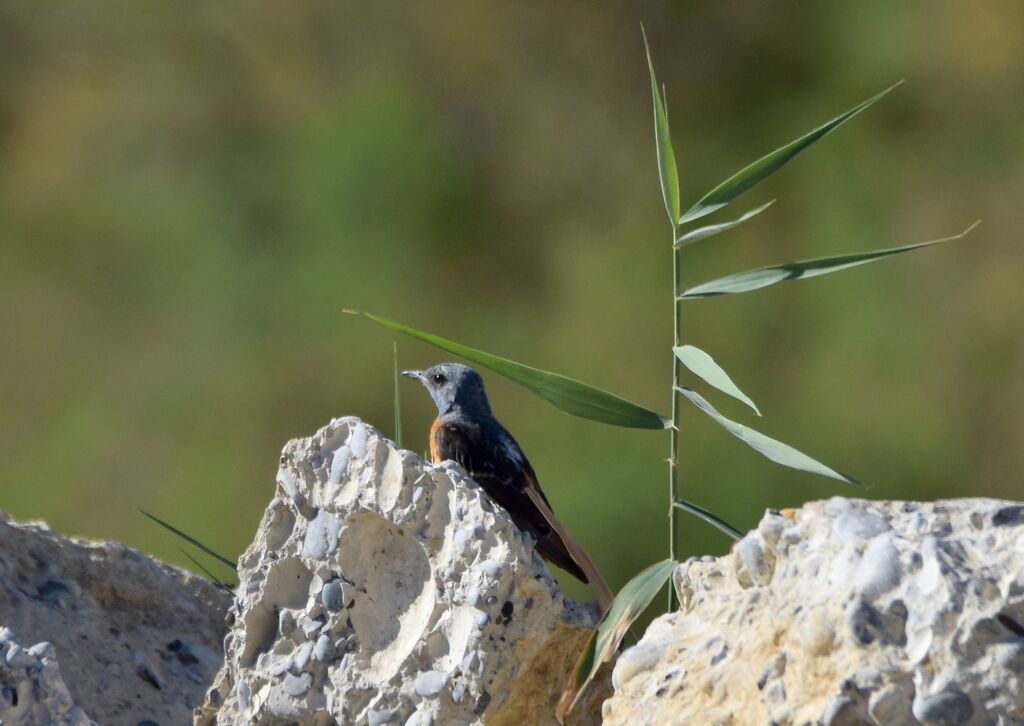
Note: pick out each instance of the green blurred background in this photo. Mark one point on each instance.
(190, 192)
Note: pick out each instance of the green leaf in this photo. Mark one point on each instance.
(713, 229)
(213, 578)
(713, 519)
(627, 606)
(398, 405)
(564, 393)
(765, 276)
(764, 167)
(774, 450)
(666, 157)
(192, 541)
(703, 365)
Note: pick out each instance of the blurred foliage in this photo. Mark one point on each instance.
(190, 192)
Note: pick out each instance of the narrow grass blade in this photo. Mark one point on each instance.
(764, 167)
(628, 605)
(192, 541)
(771, 449)
(703, 365)
(564, 393)
(398, 404)
(667, 172)
(765, 276)
(213, 578)
(712, 519)
(713, 229)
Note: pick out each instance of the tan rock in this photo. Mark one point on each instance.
(845, 612)
(136, 640)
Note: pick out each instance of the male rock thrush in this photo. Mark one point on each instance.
(467, 433)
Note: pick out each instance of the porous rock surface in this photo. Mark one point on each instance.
(381, 589)
(33, 691)
(137, 641)
(840, 613)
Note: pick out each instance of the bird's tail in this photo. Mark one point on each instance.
(579, 556)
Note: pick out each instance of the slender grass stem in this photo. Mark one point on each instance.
(673, 433)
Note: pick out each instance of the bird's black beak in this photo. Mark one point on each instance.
(418, 375)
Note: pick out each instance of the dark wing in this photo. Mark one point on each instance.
(496, 463)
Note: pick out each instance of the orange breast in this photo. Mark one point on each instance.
(435, 453)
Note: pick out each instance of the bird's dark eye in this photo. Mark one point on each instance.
(439, 378)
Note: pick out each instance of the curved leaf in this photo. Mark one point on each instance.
(764, 167)
(768, 447)
(210, 576)
(765, 276)
(713, 229)
(713, 519)
(703, 365)
(667, 173)
(628, 605)
(192, 541)
(564, 393)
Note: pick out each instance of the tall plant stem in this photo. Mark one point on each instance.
(673, 434)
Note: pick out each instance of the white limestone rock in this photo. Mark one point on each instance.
(32, 690)
(137, 641)
(381, 589)
(843, 612)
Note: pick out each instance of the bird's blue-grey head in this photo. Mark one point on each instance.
(454, 387)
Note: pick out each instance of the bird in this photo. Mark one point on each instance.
(466, 432)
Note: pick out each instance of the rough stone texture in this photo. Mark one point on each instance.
(383, 590)
(32, 690)
(137, 640)
(843, 612)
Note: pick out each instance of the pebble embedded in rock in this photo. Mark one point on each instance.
(301, 658)
(430, 683)
(17, 657)
(331, 596)
(321, 536)
(377, 717)
(948, 708)
(42, 650)
(323, 652)
(339, 465)
(855, 524)
(756, 562)
(357, 440)
(420, 718)
(296, 685)
(879, 570)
